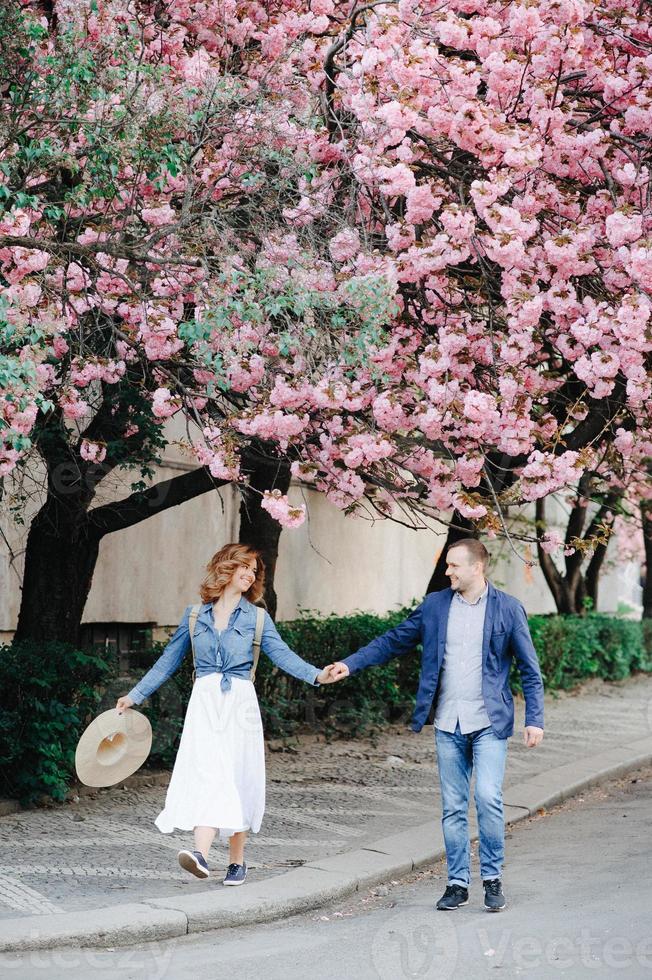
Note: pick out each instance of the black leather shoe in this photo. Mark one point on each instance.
(453, 897)
(494, 900)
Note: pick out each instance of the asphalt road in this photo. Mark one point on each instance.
(579, 893)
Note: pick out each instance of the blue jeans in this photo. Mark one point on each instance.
(457, 755)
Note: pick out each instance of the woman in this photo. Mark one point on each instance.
(218, 780)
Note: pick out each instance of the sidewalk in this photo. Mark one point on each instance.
(339, 816)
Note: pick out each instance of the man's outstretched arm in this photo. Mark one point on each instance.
(395, 642)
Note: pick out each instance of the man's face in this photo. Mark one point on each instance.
(462, 570)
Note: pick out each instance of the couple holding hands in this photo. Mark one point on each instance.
(468, 634)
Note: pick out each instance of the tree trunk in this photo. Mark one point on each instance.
(60, 559)
(593, 574)
(646, 513)
(63, 545)
(570, 590)
(257, 528)
(460, 527)
(565, 597)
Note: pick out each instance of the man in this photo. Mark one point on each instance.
(469, 634)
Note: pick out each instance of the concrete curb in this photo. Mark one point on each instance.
(311, 885)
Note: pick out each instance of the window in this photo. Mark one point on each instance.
(122, 640)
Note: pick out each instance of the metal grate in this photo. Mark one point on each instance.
(120, 640)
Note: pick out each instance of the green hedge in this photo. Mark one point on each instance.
(51, 691)
(573, 648)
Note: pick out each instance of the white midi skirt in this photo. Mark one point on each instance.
(218, 778)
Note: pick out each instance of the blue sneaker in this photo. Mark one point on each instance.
(235, 874)
(195, 863)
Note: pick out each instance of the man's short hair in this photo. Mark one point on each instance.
(475, 549)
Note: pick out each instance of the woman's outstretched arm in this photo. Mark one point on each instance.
(280, 654)
(167, 663)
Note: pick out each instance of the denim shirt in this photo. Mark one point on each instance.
(228, 651)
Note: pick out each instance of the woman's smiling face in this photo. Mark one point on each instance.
(245, 576)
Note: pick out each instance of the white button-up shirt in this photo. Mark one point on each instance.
(460, 681)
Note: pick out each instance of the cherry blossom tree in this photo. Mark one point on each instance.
(134, 173)
(401, 247)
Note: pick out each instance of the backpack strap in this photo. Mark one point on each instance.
(192, 622)
(260, 622)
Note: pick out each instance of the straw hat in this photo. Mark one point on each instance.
(113, 747)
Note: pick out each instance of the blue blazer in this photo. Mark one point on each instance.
(506, 635)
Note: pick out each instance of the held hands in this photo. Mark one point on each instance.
(332, 673)
(532, 736)
(122, 703)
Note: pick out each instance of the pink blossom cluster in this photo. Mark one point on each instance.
(544, 474)
(73, 407)
(552, 541)
(92, 452)
(82, 373)
(364, 450)
(279, 426)
(164, 405)
(214, 457)
(279, 507)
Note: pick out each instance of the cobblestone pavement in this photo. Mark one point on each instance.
(322, 799)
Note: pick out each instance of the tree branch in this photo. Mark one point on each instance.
(90, 250)
(139, 506)
(601, 414)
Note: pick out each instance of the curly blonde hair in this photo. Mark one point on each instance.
(222, 567)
